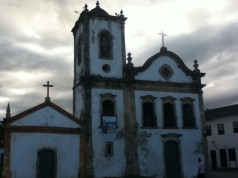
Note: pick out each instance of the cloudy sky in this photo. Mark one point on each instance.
(36, 45)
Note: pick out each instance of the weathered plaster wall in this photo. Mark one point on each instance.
(79, 101)
(108, 166)
(46, 117)
(152, 73)
(25, 146)
(151, 156)
(96, 26)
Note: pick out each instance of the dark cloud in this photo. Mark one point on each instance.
(36, 41)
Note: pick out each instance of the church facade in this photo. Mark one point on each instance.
(41, 142)
(140, 121)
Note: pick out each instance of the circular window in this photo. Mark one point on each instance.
(106, 68)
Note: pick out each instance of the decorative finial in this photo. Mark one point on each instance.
(129, 58)
(121, 13)
(196, 66)
(86, 7)
(97, 3)
(8, 113)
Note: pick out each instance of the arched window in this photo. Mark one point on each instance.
(105, 45)
(148, 111)
(108, 108)
(169, 116)
(148, 114)
(188, 113)
(108, 113)
(79, 51)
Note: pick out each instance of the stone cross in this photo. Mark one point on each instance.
(48, 85)
(163, 35)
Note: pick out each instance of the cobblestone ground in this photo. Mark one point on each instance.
(220, 174)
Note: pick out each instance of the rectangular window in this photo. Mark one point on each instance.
(209, 130)
(220, 129)
(109, 150)
(188, 116)
(148, 115)
(232, 154)
(235, 126)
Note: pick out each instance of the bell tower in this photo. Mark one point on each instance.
(99, 57)
(99, 44)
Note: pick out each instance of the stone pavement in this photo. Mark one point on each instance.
(222, 174)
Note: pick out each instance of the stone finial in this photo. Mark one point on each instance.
(86, 7)
(97, 3)
(121, 12)
(196, 66)
(8, 113)
(129, 58)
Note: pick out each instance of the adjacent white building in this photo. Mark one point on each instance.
(222, 136)
(41, 142)
(141, 121)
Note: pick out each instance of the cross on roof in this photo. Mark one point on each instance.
(48, 85)
(163, 35)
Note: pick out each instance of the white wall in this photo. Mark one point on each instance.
(46, 116)
(226, 141)
(151, 150)
(96, 64)
(152, 73)
(25, 146)
(108, 166)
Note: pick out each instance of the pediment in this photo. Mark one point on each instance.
(45, 115)
(166, 67)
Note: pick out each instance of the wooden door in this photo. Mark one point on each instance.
(213, 158)
(172, 159)
(223, 158)
(46, 164)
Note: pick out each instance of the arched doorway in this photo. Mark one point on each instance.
(46, 164)
(172, 159)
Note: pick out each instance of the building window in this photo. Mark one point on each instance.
(232, 154)
(169, 116)
(79, 49)
(235, 126)
(109, 150)
(148, 111)
(189, 120)
(220, 129)
(209, 130)
(108, 113)
(105, 45)
(166, 72)
(108, 108)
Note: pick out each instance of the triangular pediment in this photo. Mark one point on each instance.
(45, 115)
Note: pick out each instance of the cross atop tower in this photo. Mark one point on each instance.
(48, 85)
(163, 35)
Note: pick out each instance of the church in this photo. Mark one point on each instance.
(127, 121)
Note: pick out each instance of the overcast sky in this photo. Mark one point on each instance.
(36, 45)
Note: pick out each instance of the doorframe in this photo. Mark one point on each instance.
(55, 160)
(172, 137)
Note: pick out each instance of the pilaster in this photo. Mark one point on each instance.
(131, 126)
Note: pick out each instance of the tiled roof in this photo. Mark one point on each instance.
(211, 114)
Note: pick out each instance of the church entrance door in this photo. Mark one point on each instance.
(172, 159)
(46, 164)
